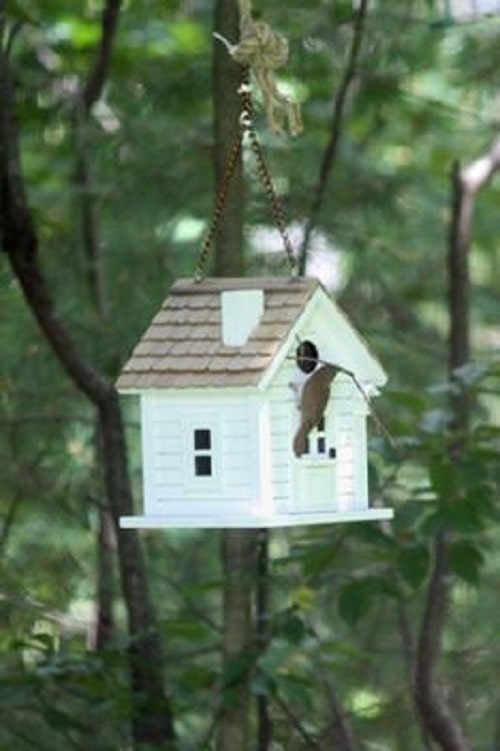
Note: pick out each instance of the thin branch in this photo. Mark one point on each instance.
(339, 733)
(13, 33)
(478, 174)
(99, 74)
(466, 183)
(296, 723)
(91, 93)
(196, 611)
(331, 151)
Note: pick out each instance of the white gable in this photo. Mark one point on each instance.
(337, 341)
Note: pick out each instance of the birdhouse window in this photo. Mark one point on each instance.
(202, 440)
(316, 441)
(307, 356)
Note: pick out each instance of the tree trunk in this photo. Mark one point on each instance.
(104, 627)
(238, 561)
(227, 107)
(237, 546)
(264, 722)
(151, 720)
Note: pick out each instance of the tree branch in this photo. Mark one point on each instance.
(433, 707)
(20, 243)
(308, 741)
(90, 94)
(331, 151)
(99, 74)
(435, 714)
(339, 733)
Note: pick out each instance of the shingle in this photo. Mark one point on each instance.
(219, 363)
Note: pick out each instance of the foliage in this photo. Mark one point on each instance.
(346, 602)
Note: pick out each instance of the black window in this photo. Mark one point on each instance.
(203, 466)
(202, 439)
(202, 444)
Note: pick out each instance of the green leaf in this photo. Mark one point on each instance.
(463, 516)
(409, 516)
(413, 564)
(355, 600)
(317, 559)
(443, 479)
(342, 11)
(465, 561)
(293, 629)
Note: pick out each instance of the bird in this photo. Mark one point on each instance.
(313, 401)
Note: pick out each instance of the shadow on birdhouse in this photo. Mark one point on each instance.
(249, 415)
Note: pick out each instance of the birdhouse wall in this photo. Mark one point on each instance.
(281, 404)
(200, 454)
(317, 483)
(349, 410)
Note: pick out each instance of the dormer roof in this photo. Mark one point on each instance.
(183, 346)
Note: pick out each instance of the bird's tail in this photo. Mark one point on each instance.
(300, 439)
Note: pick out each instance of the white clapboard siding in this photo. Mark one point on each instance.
(281, 404)
(239, 458)
(361, 468)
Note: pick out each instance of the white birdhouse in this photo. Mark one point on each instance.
(225, 377)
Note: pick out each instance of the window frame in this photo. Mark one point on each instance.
(195, 483)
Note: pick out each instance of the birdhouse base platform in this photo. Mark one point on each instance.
(177, 521)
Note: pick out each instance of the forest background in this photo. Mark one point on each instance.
(367, 636)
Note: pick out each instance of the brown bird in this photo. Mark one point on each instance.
(315, 395)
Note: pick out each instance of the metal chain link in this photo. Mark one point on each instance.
(220, 205)
(246, 126)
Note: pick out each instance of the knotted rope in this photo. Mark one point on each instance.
(265, 50)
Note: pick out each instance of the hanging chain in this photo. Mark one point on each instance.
(246, 126)
(220, 205)
(263, 170)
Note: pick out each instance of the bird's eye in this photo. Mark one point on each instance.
(307, 356)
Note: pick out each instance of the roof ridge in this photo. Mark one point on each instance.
(221, 284)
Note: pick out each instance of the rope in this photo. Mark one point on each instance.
(265, 50)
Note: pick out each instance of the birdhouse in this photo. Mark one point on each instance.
(252, 407)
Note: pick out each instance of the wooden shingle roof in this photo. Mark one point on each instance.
(182, 348)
